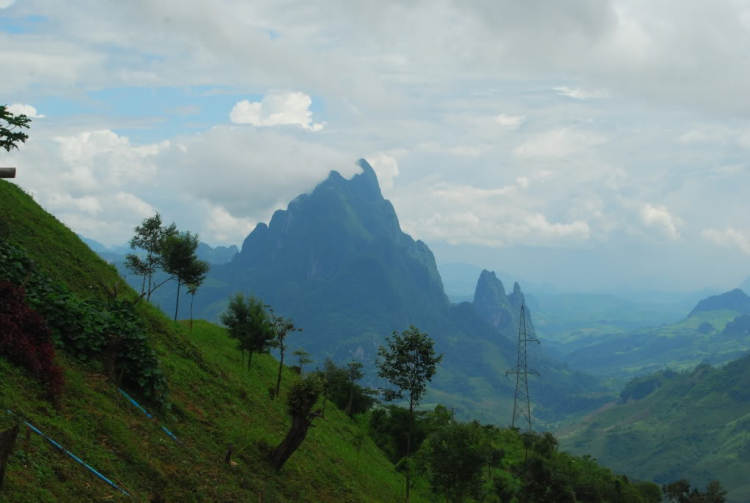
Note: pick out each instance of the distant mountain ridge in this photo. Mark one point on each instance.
(337, 262)
(115, 254)
(735, 300)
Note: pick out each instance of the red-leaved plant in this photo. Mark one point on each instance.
(26, 340)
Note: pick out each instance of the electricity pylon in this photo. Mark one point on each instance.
(521, 402)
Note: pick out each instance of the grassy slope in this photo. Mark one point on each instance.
(215, 402)
(695, 426)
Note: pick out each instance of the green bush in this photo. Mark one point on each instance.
(86, 327)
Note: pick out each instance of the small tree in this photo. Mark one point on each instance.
(353, 373)
(408, 363)
(282, 327)
(181, 261)
(11, 129)
(302, 397)
(248, 321)
(151, 236)
(303, 358)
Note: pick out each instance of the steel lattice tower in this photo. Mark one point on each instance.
(521, 402)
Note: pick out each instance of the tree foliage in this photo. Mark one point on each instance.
(250, 324)
(152, 237)
(180, 260)
(456, 455)
(11, 129)
(680, 492)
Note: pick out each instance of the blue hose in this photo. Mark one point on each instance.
(38, 432)
(171, 435)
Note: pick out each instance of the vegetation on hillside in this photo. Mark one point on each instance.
(692, 424)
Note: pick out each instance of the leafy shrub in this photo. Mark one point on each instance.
(87, 327)
(26, 339)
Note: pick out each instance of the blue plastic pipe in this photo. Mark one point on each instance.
(89, 468)
(147, 414)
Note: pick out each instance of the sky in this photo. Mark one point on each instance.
(593, 145)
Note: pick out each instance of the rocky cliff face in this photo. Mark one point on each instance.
(338, 260)
(495, 307)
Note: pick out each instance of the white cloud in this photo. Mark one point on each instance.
(660, 217)
(527, 229)
(28, 110)
(276, 109)
(386, 167)
(581, 94)
(510, 121)
(224, 227)
(559, 143)
(728, 237)
(4, 4)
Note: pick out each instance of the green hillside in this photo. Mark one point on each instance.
(212, 402)
(694, 424)
(682, 345)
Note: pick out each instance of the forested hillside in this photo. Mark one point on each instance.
(669, 425)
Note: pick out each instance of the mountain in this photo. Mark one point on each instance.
(745, 285)
(491, 304)
(714, 332)
(736, 300)
(218, 255)
(694, 424)
(94, 245)
(116, 254)
(337, 262)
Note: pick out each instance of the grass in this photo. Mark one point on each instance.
(214, 402)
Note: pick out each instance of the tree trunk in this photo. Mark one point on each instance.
(7, 441)
(177, 305)
(291, 442)
(150, 262)
(249, 360)
(192, 298)
(408, 449)
(348, 409)
(278, 378)
(143, 286)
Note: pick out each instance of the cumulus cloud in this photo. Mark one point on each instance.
(28, 110)
(728, 237)
(218, 183)
(276, 109)
(660, 217)
(386, 167)
(559, 143)
(581, 94)
(224, 227)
